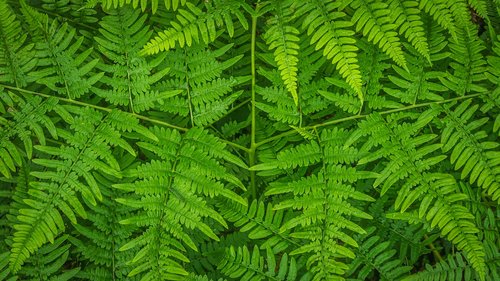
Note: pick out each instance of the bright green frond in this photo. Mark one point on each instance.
(169, 196)
(453, 267)
(284, 39)
(441, 14)
(373, 19)
(471, 151)
(194, 22)
(420, 83)
(143, 4)
(406, 16)
(325, 201)
(480, 6)
(330, 30)
(65, 175)
(48, 262)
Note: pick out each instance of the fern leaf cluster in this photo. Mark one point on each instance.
(221, 140)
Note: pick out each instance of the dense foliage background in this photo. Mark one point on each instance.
(249, 140)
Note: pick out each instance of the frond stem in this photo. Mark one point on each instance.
(144, 118)
(190, 104)
(435, 252)
(359, 116)
(141, 117)
(253, 145)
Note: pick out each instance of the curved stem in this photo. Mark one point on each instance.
(253, 146)
(94, 107)
(141, 117)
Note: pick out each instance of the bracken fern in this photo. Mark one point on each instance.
(212, 140)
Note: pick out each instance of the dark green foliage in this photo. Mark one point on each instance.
(218, 140)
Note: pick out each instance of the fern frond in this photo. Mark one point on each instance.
(193, 23)
(478, 159)
(284, 38)
(455, 268)
(130, 77)
(323, 198)
(74, 11)
(377, 254)
(282, 107)
(24, 119)
(420, 83)
(261, 223)
(48, 263)
(492, 100)
(481, 7)
(440, 200)
(329, 28)
(460, 11)
(102, 235)
(17, 57)
(108, 4)
(441, 14)
(67, 174)
(246, 265)
(61, 68)
(168, 197)
(373, 19)
(469, 65)
(406, 16)
(204, 97)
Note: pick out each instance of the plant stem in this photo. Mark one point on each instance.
(354, 117)
(190, 104)
(435, 252)
(253, 146)
(141, 117)
(95, 107)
